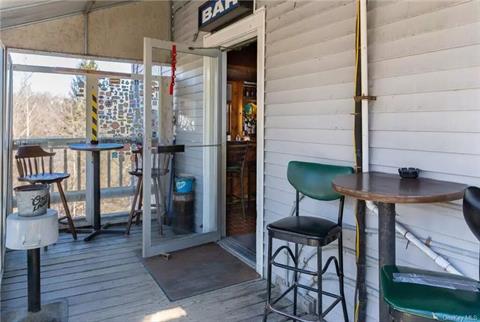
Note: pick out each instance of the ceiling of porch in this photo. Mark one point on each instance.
(20, 12)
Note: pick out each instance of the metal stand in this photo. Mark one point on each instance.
(51, 312)
(97, 226)
(386, 249)
(33, 260)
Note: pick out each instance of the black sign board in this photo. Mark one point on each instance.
(214, 14)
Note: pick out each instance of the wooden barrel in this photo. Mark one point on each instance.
(183, 207)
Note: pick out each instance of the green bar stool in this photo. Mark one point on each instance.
(416, 295)
(315, 181)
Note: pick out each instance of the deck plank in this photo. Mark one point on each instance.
(104, 280)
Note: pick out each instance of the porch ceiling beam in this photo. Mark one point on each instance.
(76, 71)
(88, 7)
(26, 5)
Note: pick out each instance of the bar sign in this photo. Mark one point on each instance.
(215, 14)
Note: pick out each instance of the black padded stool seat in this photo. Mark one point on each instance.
(307, 230)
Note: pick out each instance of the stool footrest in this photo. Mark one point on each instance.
(291, 316)
(337, 300)
(292, 268)
(335, 296)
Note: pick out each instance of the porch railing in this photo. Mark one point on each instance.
(115, 180)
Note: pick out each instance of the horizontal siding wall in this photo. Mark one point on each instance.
(424, 68)
(309, 87)
(424, 65)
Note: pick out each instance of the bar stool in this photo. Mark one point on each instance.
(416, 295)
(315, 181)
(236, 166)
(159, 169)
(31, 164)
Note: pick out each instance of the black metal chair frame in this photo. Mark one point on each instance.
(305, 240)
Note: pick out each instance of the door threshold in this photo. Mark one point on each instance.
(236, 249)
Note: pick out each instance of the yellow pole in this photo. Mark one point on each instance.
(94, 124)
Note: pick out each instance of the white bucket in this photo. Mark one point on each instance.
(32, 200)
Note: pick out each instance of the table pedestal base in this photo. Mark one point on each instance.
(52, 312)
(103, 230)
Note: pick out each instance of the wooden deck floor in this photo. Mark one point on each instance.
(104, 280)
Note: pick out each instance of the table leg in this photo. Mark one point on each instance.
(96, 190)
(97, 223)
(386, 248)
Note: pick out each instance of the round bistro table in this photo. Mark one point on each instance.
(95, 149)
(388, 190)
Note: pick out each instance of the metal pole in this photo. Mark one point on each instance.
(33, 260)
(96, 190)
(386, 249)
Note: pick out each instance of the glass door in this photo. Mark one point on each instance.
(182, 146)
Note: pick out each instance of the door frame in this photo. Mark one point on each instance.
(6, 120)
(250, 27)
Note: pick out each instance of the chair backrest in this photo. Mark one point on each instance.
(315, 179)
(471, 209)
(160, 160)
(237, 154)
(32, 160)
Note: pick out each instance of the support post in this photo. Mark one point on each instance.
(361, 285)
(147, 146)
(91, 87)
(33, 277)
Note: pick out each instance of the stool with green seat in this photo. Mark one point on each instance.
(416, 295)
(315, 181)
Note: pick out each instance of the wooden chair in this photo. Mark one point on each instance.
(236, 165)
(159, 169)
(32, 162)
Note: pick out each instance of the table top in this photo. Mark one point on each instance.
(96, 147)
(391, 188)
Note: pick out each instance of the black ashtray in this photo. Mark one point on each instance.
(408, 173)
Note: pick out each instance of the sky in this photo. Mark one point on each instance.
(56, 84)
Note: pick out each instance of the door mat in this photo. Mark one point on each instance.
(197, 270)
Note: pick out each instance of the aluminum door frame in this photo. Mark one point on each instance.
(214, 60)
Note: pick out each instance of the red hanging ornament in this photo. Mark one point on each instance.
(174, 67)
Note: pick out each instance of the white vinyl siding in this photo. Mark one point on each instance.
(309, 87)
(424, 68)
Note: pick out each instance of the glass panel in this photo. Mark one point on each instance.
(120, 118)
(179, 179)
